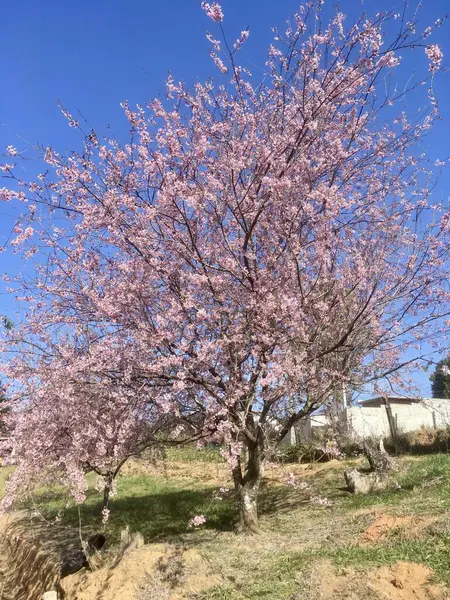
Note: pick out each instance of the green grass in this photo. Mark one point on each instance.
(424, 486)
(5, 472)
(282, 578)
(296, 534)
(432, 550)
(157, 507)
(424, 490)
(209, 454)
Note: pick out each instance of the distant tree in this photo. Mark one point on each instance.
(440, 379)
(7, 323)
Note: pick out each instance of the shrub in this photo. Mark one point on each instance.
(425, 440)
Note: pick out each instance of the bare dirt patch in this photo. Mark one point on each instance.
(383, 526)
(29, 566)
(407, 526)
(405, 581)
(400, 581)
(140, 567)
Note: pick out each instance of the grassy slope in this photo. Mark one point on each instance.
(4, 473)
(296, 534)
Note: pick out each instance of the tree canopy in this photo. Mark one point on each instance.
(255, 243)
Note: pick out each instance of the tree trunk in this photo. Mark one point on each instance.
(247, 487)
(107, 489)
(248, 512)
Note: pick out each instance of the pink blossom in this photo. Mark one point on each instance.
(72, 122)
(220, 493)
(241, 40)
(214, 42)
(105, 515)
(197, 521)
(331, 450)
(299, 485)
(291, 480)
(435, 55)
(6, 195)
(218, 62)
(389, 60)
(50, 157)
(23, 235)
(321, 501)
(214, 11)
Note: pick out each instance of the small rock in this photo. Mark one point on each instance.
(397, 583)
(361, 483)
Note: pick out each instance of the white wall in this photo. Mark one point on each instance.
(368, 421)
(373, 421)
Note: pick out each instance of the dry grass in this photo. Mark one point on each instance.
(152, 588)
(285, 562)
(425, 440)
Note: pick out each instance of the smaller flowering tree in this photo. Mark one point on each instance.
(75, 412)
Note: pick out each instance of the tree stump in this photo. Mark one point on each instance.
(379, 459)
(380, 464)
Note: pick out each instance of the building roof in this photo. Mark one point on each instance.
(380, 400)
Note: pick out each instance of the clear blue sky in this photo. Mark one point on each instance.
(93, 54)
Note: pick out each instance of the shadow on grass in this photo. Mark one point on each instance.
(160, 509)
(159, 516)
(280, 499)
(165, 515)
